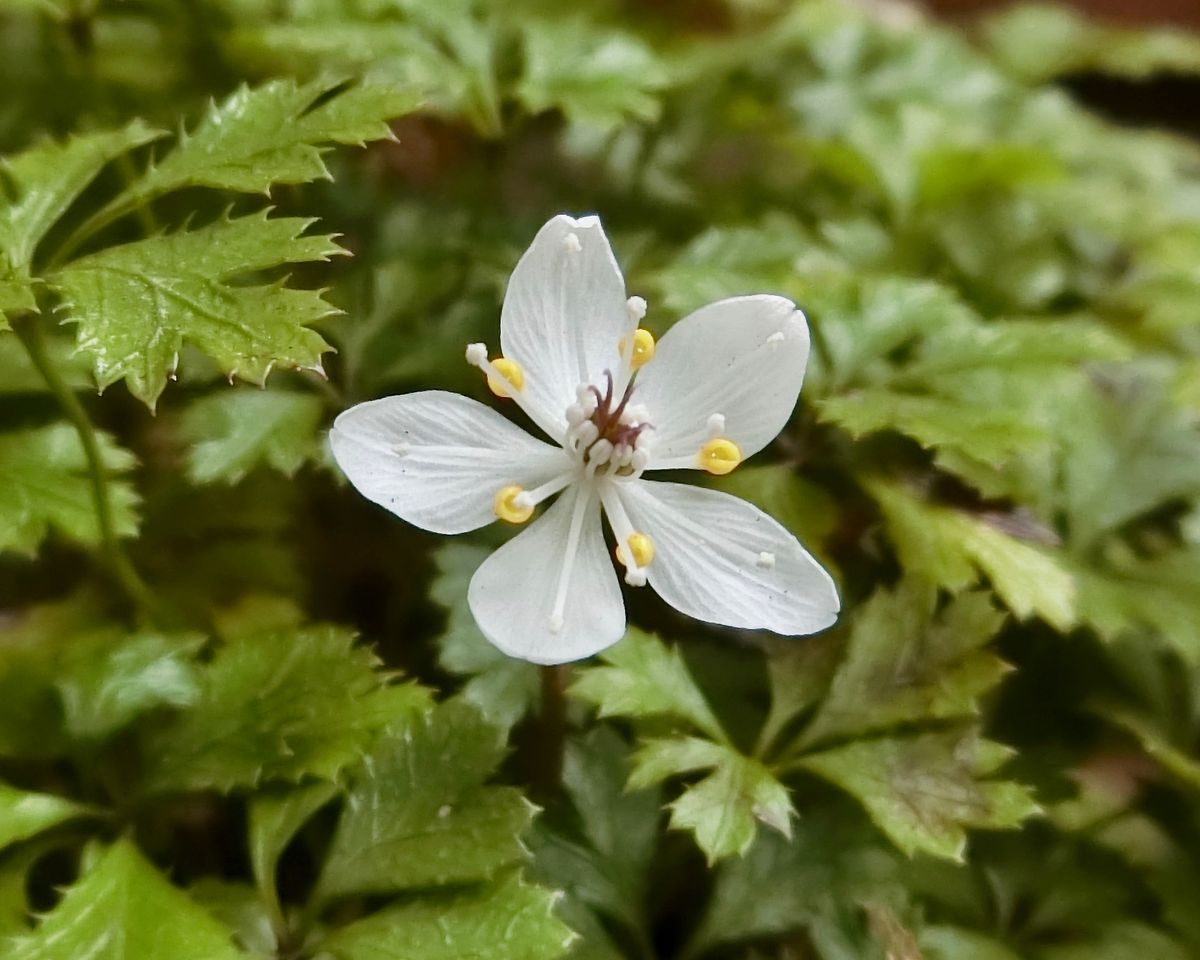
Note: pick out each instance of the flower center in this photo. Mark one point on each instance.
(609, 435)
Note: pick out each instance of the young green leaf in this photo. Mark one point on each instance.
(924, 791)
(642, 678)
(275, 816)
(506, 920)
(503, 688)
(24, 814)
(275, 706)
(124, 909)
(418, 813)
(138, 304)
(234, 431)
(44, 485)
(724, 808)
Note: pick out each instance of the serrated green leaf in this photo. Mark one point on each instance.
(124, 909)
(1120, 941)
(137, 305)
(237, 906)
(953, 548)
(593, 76)
(24, 814)
(643, 678)
(232, 432)
(273, 706)
(418, 813)
(798, 672)
(275, 816)
(44, 485)
(272, 134)
(503, 688)
(904, 663)
(924, 791)
(47, 178)
(106, 678)
(723, 809)
(507, 920)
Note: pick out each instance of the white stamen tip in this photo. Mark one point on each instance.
(571, 242)
(476, 353)
(575, 415)
(766, 560)
(555, 623)
(636, 307)
(401, 449)
(523, 500)
(445, 810)
(635, 577)
(776, 337)
(716, 425)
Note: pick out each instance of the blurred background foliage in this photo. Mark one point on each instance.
(244, 714)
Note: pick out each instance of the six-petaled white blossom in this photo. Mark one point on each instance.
(716, 389)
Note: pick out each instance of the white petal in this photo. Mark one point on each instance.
(514, 592)
(741, 358)
(720, 559)
(437, 459)
(564, 315)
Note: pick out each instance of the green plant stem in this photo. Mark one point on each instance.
(549, 734)
(29, 331)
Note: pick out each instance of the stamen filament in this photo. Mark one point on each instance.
(531, 498)
(623, 530)
(477, 357)
(583, 499)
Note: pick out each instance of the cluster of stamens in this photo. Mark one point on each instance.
(609, 436)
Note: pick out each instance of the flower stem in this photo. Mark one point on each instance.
(29, 331)
(550, 733)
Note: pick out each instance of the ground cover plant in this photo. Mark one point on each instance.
(246, 713)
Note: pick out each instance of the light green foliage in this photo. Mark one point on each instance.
(418, 813)
(234, 432)
(952, 548)
(46, 180)
(24, 814)
(722, 809)
(275, 818)
(502, 688)
(136, 305)
(124, 909)
(44, 486)
(902, 664)
(923, 791)
(273, 706)
(508, 920)
(645, 678)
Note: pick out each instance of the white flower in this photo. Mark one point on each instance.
(717, 389)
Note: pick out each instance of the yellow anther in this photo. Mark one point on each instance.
(643, 348)
(510, 370)
(720, 455)
(506, 506)
(642, 548)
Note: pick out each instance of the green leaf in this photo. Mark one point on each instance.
(503, 688)
(953, 548)
(924, 791)
(273, 706)
(944, 942)
(905, 663)
(275, 816)
(594, 76)
(1120, 941)
(238, 907)
(234, 431)
(643, 678)
(24, 814)
(1176, 761)
(799, 670)
(272, 134)
(124, 909)
(46, 180)
(724, 808)
(108, 677)
(137, 305)
(44, 485)
(418, 813)
(508, 920)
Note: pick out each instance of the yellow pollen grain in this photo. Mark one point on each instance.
(506, 508)
(510, 370)
(643, 348)
(720, 456)
(642, 548)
